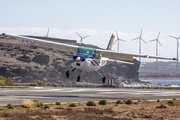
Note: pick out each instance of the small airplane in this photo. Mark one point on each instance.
(89, 59)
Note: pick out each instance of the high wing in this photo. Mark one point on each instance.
(104, 53)
(56, 45)
(127, 56)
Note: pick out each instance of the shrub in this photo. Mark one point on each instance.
(58, 103)
(116, 104)
(161, 106)
(158, 100)
(119, 102)
(1, 108)
(174, 99)
(35, 100)
(73, 105)
(46, 106)
(2, 83)
(91, 103)
(129, 101)
(40, 104)
(139, 101)
(59, 107)
(171, 102)
(10, 106)
(40, 83)
(29, 104)
(6, 81)
(103, 102)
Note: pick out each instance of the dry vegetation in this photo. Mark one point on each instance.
(137, 111)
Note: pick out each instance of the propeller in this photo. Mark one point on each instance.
(76, 58)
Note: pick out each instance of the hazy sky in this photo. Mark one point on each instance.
(99, 19)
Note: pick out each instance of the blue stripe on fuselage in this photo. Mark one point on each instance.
(84, 55)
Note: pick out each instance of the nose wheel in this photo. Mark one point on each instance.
(78, 78)
(104, 79)
(67, 73)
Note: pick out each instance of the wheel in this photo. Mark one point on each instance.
(104, 79)
(67, 74)
(78, 78)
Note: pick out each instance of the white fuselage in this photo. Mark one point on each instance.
(89, 64)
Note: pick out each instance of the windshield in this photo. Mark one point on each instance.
(88, 51)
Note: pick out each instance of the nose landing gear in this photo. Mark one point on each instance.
(78, 78)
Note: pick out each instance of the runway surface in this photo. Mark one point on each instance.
(62, 94)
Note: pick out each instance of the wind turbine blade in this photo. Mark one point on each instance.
(173, 37)
(86, 36)
(152, 40)
(115, 41)
(117, 35)
(47, 32)
(122, 40)
(159, 42)
(141, 33)
(135, 38)
(143, 40)
(158, 36)
(78, 35)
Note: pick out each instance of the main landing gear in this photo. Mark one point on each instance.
(104, 79)
(68, 75)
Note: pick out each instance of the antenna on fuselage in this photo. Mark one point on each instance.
(139, 43)
(177, 38)
(118, 40)
(157, 42)
(82, 37)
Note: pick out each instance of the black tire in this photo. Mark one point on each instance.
(104, 79)
(67, 74)
(78, 78)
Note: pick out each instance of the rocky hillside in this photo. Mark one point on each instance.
(24, 61)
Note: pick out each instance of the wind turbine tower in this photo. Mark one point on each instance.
(177, 38)
(118, 40)
(157, 42)
(139, 43)
(82, 37)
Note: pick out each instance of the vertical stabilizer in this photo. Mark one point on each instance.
(109, 47)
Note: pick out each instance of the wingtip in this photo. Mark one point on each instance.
(175, 59)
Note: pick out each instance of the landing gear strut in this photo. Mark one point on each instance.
(104, 79)
(67, 74)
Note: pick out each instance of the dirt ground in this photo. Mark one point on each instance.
(144, 110)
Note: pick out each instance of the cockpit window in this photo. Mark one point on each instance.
(87, 51)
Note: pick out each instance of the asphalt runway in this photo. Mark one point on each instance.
(63, 94)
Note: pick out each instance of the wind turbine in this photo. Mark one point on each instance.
(157, 42)
(139, 43)
(82, 37)
(118, 40)
(177, 38)
(47, 33)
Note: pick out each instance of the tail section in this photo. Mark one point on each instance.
(109, 47)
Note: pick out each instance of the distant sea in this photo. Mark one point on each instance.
(166, 81)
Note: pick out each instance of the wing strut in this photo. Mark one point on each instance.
(60, 55)
(112, 62)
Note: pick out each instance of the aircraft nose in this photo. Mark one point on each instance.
(78, 59)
